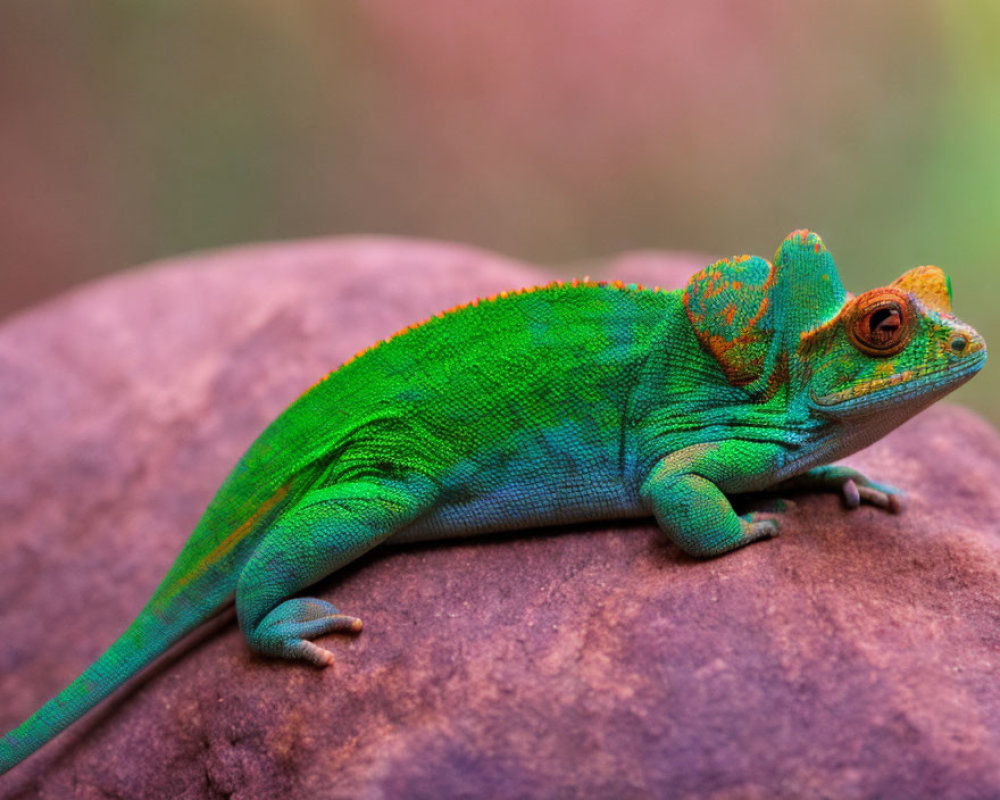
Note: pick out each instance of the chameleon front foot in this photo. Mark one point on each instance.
(683, 492)
(853, 494)
(756, 526)
(854, 487)
(286, 630)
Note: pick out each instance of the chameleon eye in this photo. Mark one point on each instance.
(881, 323)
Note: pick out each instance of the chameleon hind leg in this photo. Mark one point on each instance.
(328, 528)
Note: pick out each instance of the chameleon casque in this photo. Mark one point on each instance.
(567, 402)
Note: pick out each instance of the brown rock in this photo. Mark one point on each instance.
(854, 656)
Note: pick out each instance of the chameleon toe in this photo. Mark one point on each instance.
(315, 654)
(852, 497)
(888, 501)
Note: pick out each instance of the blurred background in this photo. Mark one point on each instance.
(558, 132)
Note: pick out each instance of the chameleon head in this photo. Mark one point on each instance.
(877, 358)
(891, 351)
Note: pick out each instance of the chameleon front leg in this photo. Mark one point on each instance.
(853, 486)
(685, 492)
(328, 528)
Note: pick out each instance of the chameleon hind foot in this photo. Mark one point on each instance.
(287, 629)
(328, 528)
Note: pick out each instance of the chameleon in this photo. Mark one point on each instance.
(557, 404)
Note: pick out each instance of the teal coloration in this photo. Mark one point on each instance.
(569, 402)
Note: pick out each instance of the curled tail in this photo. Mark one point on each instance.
(148, 637)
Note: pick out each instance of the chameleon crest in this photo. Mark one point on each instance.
(748, 312)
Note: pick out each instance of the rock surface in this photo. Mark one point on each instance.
(857, 655)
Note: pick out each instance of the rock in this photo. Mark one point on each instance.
(854, 656)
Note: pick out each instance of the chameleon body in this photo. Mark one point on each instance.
(568, 402)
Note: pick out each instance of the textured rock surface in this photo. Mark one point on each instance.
(855, 656)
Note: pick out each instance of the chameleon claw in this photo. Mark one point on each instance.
(897, 504)
(851, 494)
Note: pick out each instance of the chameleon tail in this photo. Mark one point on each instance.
(200, 583)
(148, 637)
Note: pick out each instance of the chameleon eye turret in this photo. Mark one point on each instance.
(880, 323)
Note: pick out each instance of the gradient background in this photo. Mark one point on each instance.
(556, 131)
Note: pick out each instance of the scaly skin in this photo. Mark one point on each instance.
(569, 402)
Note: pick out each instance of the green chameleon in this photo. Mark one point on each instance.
(568, 402)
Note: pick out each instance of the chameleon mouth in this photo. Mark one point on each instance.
(947, 379)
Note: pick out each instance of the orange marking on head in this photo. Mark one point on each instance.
(764, 303)
(929, 285)
(714, 288)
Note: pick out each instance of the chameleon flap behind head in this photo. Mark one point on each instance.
(747, 312)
